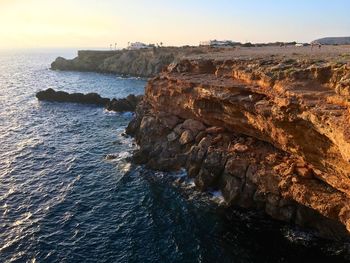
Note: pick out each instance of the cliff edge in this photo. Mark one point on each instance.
(271, 133)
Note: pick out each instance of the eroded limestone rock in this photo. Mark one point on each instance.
(271, 136)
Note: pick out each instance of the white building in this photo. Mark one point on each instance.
(217, 43)
(137, 45)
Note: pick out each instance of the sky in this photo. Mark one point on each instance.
(99, 23)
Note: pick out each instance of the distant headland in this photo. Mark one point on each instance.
(143, 60)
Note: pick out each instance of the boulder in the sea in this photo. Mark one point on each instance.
(126, 104)
(120, 105)
(62, 96)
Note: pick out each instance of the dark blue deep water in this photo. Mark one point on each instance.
(62, 201)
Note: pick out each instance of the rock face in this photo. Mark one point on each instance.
(141, 63)
(270, 134)
(120, 105)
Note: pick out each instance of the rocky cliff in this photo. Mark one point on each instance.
(141, 63)
(272, 134)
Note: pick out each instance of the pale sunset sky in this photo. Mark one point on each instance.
(97, 23)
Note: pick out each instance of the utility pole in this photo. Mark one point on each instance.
(115, 46)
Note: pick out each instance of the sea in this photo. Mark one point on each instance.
(63, 200)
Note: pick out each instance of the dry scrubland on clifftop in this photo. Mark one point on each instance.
(269, 127)
(329, 53)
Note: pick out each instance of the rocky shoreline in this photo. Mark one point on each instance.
(270, 134)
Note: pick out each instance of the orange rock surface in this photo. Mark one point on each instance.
(271, 134)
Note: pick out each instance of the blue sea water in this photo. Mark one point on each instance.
(62, 201)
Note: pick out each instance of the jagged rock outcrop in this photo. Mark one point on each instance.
(119, 105)
(125, 104)
(271, 134)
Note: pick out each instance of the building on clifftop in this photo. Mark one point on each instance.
(138, 45)
(218, 43)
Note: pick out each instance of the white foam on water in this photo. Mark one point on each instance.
(180, 174)
(118, 156)
(159, 174)
(296, 236)
(217, 197)
(124, 154)
(124, 167)
(191, 183)
(109, 112)
(126, 114)
(125, 139)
